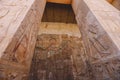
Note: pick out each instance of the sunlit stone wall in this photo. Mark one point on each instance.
(19, 21)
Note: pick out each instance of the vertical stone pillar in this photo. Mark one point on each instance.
(19, 20)
(99, 23)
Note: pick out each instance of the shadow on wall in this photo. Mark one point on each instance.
(115, 3)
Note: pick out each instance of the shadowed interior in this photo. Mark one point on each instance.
(58, 13)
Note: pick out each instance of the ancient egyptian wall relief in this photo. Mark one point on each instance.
(98, 40)
(101, 50)
(59, 57)
(52, 59)
(19, 21)
(100, 60)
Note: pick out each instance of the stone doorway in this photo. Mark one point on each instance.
(58, 45)
(99, 25)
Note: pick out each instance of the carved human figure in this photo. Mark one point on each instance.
(52, 47)
(95, 37)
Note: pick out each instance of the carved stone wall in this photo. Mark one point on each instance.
(60, 44)
(99, 25)
(98, 22)
(57, 57)
(19, 20)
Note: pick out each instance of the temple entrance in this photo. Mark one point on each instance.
(57, 52)
(58, 39)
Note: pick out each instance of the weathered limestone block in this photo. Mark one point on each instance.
(19, 21)
(99, 24)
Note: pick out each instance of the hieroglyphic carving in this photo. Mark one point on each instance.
(94, 34)
(52, 58)
(107, 69)
(113, 67)
(98, 42)
(19, 36)
(55, 65)
(3, 12)
(101, 71)
(21, 45)
(97, 34)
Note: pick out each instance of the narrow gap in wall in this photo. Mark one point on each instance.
(58, 45)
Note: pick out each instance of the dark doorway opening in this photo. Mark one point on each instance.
(58, 13)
